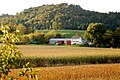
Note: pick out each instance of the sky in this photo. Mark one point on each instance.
(15, 6)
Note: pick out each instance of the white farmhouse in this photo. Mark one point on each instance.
(78, 40)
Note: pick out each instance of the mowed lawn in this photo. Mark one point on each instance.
(64, 51)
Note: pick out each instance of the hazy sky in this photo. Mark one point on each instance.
(14, 6)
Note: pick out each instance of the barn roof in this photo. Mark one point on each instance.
(60, 39)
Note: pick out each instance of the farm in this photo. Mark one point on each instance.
(86, 71)
(72, 62)
(59, 42)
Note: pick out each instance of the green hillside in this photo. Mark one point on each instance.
(67, 33)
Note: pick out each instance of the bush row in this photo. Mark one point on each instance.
(61, 61)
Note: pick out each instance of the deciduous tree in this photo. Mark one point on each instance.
(94, 33)
(9, 55)
(116, 38)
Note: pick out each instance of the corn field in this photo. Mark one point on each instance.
(82, 72)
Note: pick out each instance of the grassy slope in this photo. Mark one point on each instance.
(68, 33)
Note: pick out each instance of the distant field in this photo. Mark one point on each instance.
(68, 33)
(62, 51)
(83, 72)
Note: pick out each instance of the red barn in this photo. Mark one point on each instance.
(60, 41)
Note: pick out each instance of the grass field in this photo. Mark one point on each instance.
(83, 72)
(64, 51)
(68, 33)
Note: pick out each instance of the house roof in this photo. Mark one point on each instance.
(76, 37)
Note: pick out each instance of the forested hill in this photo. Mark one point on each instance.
(61, 16)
